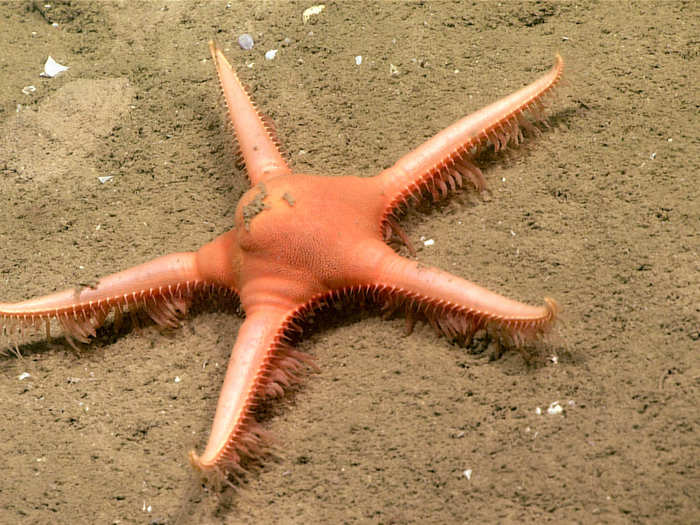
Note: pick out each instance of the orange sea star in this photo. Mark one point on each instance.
(301, 242)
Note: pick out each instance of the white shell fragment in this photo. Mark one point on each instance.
(468, 473)
(23, 376)
(312, 11)
(106, 178)
(555, 408)
(246, 41)
(429, 242)
(358, 60)
(52, 68)
(28, 90)
(271, 54)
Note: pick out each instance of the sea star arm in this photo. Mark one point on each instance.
(438, 165)
(458, 307)
(162, 287)
(256, 136)
(262, 365)
(453, 305)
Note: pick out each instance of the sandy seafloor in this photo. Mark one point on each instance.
(601, 213)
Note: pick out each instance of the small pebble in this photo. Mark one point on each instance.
(246, 41)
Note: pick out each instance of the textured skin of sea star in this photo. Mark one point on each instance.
(300, 243)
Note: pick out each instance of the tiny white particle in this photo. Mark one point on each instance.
(271, 54)
(312, 11)
(106, 178)
(358, 60)
(55, 24)
(512, 233)
(23, 376)
(429, 242)
(28, 90)
(652, 156)
(554, 359)
(503, 179)
(52, 68)
(177, 379)
(468, 473)
(81, 267)
(555, 408)
(245, 42)
(670, 140)
(538, 411)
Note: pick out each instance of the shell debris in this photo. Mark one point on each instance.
(312, 11)
(246, 42)
(52, 68)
